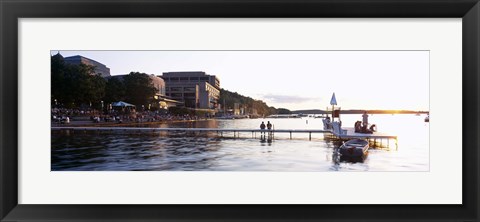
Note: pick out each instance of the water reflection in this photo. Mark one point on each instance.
(181, 151)
(114, 151)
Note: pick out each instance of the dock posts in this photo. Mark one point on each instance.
(268, 135)
(273, 129)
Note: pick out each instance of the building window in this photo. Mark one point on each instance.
(175, 89)
(189, 89)
(183, 78)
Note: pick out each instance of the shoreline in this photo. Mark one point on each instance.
(123, 124)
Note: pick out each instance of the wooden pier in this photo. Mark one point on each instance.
(217, 130)
(347, 133)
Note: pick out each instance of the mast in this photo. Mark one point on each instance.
(333, 102)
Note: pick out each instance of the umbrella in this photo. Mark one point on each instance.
(122, 104)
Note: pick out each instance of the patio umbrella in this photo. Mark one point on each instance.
(122, 104)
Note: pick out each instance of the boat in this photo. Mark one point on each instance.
(355, 148)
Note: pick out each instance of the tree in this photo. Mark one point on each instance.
(114, 90)
(84, 88)
(96, 91)
(57, 77)
(283, 111)
(231, 98)
(74, 85)
(139, 89)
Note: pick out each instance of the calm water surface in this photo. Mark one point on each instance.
(179, 151)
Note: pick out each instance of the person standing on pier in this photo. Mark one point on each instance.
(365, 119)
(270, 133)
(262, 127)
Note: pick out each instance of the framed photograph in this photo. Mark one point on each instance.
(226, 110)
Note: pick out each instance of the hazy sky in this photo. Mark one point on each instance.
(295, 79)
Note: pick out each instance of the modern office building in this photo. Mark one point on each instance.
(196, 89)
(100, 68)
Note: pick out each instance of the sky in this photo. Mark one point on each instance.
(294, 80)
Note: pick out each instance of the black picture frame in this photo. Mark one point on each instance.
(11, 11)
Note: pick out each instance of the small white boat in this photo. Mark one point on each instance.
(354, 148)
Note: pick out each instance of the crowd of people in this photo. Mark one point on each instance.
(63, 115)
(141, 117)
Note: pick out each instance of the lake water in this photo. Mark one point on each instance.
(180, 151)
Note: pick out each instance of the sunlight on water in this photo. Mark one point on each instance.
(180, 151)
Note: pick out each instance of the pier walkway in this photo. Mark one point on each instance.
(217, 130)
(349, 133)
(346, 134)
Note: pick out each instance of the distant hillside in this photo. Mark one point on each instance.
(230, 98)
(309, 111)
